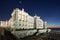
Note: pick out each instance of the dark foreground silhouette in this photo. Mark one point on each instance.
(43, 36)
(8, 36)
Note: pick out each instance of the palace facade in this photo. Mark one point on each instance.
(22, 24)
(22, 20)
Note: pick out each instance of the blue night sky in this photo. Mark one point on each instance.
(48, 10)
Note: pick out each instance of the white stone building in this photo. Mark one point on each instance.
(38, 22)
(45, 25)
(3, 23)
(22, 19)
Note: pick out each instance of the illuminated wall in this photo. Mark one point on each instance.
(22, 20)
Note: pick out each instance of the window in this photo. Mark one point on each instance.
(20, 20)
(26, 19)
(14, 17)
(23, 17)
(23, 20)
(23, 24)
(19, 24)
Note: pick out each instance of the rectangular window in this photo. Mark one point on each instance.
(19, 24)
(19, 16)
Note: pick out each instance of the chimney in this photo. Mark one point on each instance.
(22, 9)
